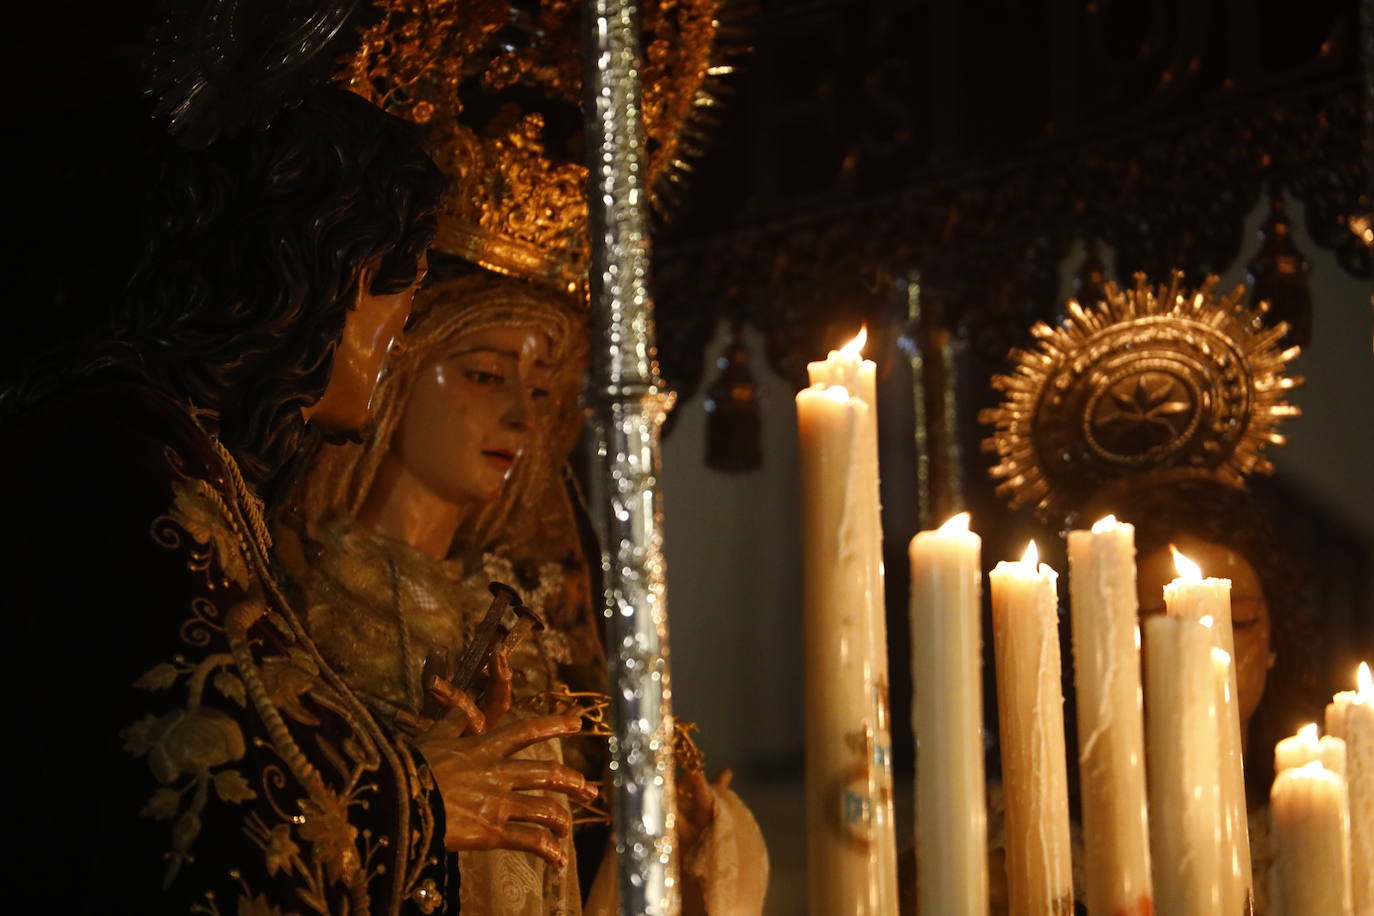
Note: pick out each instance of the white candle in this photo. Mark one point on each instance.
(1191, 597)
(1305, 747)
(1030, 703)
(1358, 728)
(1186, 815)
(947, 714)
(846, 368)
(1111, 742)
(1311, 843)
(851, 849)
(1237, 890)
(1335, 712)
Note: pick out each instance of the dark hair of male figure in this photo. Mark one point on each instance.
(255, 250)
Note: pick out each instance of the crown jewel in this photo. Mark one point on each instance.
(1147, 380)
(498, 87)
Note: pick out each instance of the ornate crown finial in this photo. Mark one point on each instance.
(499, 87)
(1147, 380)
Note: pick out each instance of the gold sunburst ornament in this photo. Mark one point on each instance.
(1151, 379)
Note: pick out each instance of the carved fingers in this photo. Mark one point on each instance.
(486, 793)
(506, 740)
(497, 701)
(463, 718)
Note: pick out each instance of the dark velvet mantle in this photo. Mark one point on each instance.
(175, 743)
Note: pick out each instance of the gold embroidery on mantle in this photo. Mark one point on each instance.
(300, 815)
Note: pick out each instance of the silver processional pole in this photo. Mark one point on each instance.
(630, 405)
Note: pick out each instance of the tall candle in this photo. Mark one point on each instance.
(851, 849)
(947, 714)
(1030, 705)
(1186, 814)
(1305, 747)
(1191, 597)
(1357, 724)
(1111, 742)
(1310, 875)
(846, 368)
(1237, 890)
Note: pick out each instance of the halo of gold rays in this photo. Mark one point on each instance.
(1150, 379)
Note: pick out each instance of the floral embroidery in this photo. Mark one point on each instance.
(251, 659)
(183, 747)
(281, 849)
(196, 509)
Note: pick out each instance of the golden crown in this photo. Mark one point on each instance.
(499, 86)
(1147, 380)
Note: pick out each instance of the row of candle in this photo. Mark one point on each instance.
(1322, 803)
(1199, 837)
(1188, 852)
(1194, 780)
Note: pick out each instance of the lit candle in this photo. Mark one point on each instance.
(851, 847)
(1025, 628)
(1305, 747)
(846, 368)
(1111, 753)
(947, 714)
(1337, 708)
(1186, 814)
(1311, 843)
(1191, 597)
(1356, 722)
(1237, 888)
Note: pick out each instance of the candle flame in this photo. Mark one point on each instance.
(1032, 556)
(1187, 569)
(1103, 525)
(1308, 732)
(856, 346)
(836, 393)
(1206, 620)
(1365, 681)
(956, 523)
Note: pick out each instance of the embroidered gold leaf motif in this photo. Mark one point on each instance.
(138, 737)
(232, 787)
(325, 825)
(285, 683)
(280, 849)
(427, 896)
(184, 833)
(162, 806)
(196, 510)
(303, 658)
(158, 677)
(229, 685)
(192, 741)
(258, 906)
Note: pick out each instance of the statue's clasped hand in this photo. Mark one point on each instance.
(487, 804)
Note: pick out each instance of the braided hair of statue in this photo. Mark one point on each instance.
(255, 249)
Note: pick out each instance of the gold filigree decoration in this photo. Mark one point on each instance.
(258, 671)
(499, 87)
(593, 709)
(1151, 379)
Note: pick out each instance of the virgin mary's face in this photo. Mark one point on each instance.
(472, 412)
